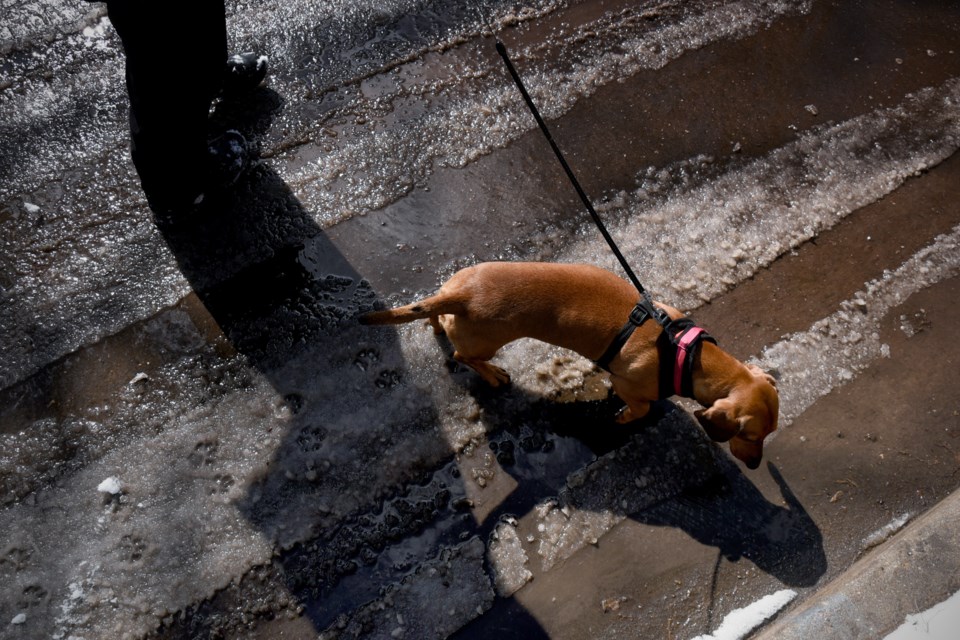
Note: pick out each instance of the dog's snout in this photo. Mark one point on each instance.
(750, 453)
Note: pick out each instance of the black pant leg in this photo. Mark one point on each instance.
(175, 56)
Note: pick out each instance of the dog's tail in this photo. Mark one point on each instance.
(428, 308)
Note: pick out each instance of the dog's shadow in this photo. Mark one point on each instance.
(715, 503)
(662, 470)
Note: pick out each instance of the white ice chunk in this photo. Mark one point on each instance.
(886, 532)
(111, 485)
(508, 559)
(740, 622)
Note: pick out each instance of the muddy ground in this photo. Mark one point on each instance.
(286, 473)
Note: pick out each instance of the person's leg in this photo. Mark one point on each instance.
(175, 56)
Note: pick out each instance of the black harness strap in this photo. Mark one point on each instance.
(643, 311)
(668, 344)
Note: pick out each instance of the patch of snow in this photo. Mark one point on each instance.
(741, 622)
(937, 623)
(884, 534)
(814, 362)
(507, 559)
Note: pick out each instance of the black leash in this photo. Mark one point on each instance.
(672, 380)
(502, 50)
(645, 309)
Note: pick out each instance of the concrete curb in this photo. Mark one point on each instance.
(914, 570)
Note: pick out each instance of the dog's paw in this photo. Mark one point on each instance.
(502, 376)
(628, 414)
(493, 375)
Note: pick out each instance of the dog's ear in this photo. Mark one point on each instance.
(718, 420)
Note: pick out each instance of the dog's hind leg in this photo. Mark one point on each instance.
(475, 345)
(492, 374)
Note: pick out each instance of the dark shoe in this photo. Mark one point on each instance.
(167, 208)
(244, 73)
(229, 156)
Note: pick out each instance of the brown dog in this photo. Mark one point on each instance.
(582, 307)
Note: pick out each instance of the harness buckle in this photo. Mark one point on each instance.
(640, 313)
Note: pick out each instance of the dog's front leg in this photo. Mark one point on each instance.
(633, 412)
(638, 405)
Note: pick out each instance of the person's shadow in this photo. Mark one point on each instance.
(287, 301)
(284, 302)
(361, 474)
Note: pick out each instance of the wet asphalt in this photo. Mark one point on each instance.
(269, 282)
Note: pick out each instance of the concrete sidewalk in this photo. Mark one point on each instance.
(916, 569)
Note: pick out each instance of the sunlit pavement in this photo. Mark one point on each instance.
(875, 594)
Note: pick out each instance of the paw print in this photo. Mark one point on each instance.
(335, 284)
(32, 596)
(387, 379)
(132, 548)
(222, 483)
(15, 558)
(311, 438)
(204, 454)
(366, 358)
(294, 402)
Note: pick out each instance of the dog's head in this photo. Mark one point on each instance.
(745, 417)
